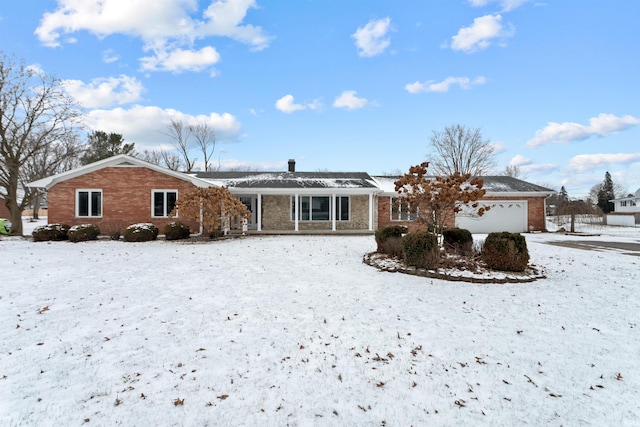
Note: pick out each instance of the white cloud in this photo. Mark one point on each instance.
(243, 165)
(109, 56)
(586, 162)
(105, 92)
(443, 86)
(563, 133)
(519, 160)
(507, 5)
(349, 100)
(180, 60)
(146, 126)
(164, 26)
(478, 36)
(370, 39)
(287, 104)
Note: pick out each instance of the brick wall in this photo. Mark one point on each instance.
(535, 213)
(4, 211)
(126, 197)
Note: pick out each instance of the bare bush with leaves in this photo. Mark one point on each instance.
(437, 199)
(211, 207)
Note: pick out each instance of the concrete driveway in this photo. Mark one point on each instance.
(627, 248)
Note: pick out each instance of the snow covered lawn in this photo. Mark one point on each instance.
(296, 330)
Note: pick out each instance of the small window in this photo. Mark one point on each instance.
(163, 202)
(402, 211)
(342, 208)
(89, 203)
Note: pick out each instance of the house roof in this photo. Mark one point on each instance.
(494, 185)
(291, 181)
(120, 160)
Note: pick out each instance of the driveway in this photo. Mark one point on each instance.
(627, 248)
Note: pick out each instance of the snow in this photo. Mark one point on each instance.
(297, 330)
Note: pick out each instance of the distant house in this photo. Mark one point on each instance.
(626, 210)
(516, 206)
(122, 190)
(4, 211)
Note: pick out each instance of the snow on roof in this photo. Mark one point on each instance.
(493, 184)
(291, 180)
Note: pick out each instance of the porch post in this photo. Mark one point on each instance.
(295, 210)
(332, 212)
(259, 213)
(370, 212)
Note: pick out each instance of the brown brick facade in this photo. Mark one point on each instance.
(126, 197)
(535, 213)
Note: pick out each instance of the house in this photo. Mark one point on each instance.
(626, 210)
(122, 190)
(116, 192)
(515, 205)
(4, 210)
(308, 202)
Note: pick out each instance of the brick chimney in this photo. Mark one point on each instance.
(292, 165)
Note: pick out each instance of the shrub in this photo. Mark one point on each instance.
(176, 231)
(142, 232)
(457, 240)
(388, 240)
(421, 250)
(505, 252)
(83, 233)
(55, 232)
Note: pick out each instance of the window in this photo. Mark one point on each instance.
(401, 210)
(318, 208)
(89, 203)
(163, 202)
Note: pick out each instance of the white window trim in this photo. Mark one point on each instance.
(89, 190)
(164, 191)
(296, 208)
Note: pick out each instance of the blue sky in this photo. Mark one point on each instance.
(354, 85)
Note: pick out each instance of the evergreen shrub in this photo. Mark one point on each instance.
(176, 231)
(142, 232)
(458, 240)
(83, 233)
(55, 232)
(421, 250)
(388, 240)
(505, 252)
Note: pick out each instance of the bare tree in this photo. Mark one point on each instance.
(35, 113)
(462, 150)
(172, 160)
(514, 171)
(206, 140)
(151, 156)
(180, 134)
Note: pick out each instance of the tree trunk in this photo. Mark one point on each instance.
(573, 221)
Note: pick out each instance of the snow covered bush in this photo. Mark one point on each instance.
(141, 232)
(176, 230)
(457, 240)
(49, 232)
(83, 233)
(505, 252)
(388, 240)
(421, 250)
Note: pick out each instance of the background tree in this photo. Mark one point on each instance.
(101, 145)
(206, 140)
(210, 207)
(180, 135)
(35, 115)
(514, 171)
(438, 199)
(605, 194)
(460, 149)
(618, 191)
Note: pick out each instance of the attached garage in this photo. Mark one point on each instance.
(503, 215)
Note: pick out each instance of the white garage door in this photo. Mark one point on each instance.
(507, 215)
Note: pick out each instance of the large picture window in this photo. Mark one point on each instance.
(163, 202)
(318, 208)
(89, 203)
(401, 210)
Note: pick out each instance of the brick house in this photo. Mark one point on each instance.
(302, 202)
(116, 192)
(515, 205)
(122, 190)
(4, 210)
